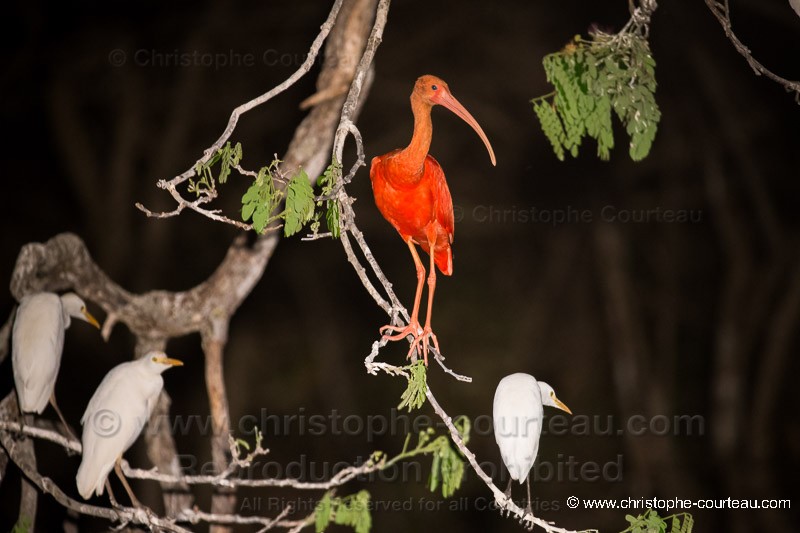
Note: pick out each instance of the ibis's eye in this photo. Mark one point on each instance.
(434, 87)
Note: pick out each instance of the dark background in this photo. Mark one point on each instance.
(641, 318)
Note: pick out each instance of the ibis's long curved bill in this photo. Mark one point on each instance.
(449, 101)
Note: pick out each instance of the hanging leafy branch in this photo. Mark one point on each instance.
(262, 198)
(228, 156)
(650, 522)
(592, 77)
(333, 213)
(351, 510)
(447, 471)
(414, 395)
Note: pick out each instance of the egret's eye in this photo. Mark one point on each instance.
(155, 359)
(434, 87)
(552, 394)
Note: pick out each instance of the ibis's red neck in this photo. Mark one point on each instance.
(413, 156)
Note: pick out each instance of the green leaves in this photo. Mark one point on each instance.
(448, 465)
(590, 78)
(447, 469)
(228, 156)
(299, 204)
(332, 210)
(262, 199)
(650, 522)
(261, 202)
(414, 395)
(352, 510)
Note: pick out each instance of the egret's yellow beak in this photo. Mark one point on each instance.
(168, 361)
(90, 319)
(561, 405)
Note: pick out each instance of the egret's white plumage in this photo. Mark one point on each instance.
(517, 416)
(37, 343)
(116, 415)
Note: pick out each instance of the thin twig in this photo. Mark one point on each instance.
(195, 516)
(121, 515)
(172, 185)
(723, 15)
(223, 479)
(506, 504)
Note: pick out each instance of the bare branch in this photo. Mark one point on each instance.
(503, 502)
(223, 479)
(722, 12)
(195, 516)
(121, 515)
(172, 185)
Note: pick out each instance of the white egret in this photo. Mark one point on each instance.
(114, 418)
(517, 416)
(38, 340)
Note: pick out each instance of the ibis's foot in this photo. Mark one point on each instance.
(422, 338)
(401, 332)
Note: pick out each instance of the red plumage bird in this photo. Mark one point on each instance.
(411, 193)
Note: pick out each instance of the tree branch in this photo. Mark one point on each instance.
(16, 452)
(207, 196)
(722, 12)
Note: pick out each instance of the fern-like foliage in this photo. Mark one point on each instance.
(448, 464)
(414, 395)
(651, 522)
(352, 510)
(332, 209)
(262, 199)
(261, 202)
(590, 79)
(228, 157)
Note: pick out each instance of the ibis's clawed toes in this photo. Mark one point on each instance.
(421, 342)
(401, 332)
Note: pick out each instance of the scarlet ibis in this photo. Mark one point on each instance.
(412, 194)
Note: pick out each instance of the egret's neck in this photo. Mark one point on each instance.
(413, 155)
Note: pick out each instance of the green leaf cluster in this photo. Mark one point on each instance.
(414, 395)
(332, 208)
(352, 510)
(228, 156)
(299, 204)
(651, 522)
(262, 201)
(447, 469)
(448, 464)
(590, 79)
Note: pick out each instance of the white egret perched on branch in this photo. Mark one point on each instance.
(114, 418)
(38, 340)
(517, 416)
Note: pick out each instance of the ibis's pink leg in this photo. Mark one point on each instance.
(421, 335)
(413, 328)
